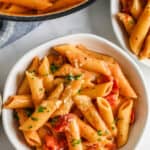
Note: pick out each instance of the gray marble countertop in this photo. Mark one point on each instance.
(95, 19)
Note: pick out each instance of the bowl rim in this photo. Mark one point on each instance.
(83, 35)
(47, 16)
(145, 62)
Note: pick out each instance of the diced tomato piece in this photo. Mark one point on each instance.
(132, 117)
(93, 147)
(111, 146)
(51, 143)
(62, 123)
(44, 147)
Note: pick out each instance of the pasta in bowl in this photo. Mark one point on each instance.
(73, 94)
(130, 20)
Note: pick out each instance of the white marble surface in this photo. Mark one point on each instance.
(95, 19)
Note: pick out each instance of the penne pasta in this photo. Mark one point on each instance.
(63, 4)
(146, 50)
(44, 71)
(85, 105)
(140, 30)
(107, 114)
(78, 58)
(31, 137)
(36, 87)
(24, 87)
(66, 106)
(100, 90)
(15, 9)
(32, 4)
(96, 54)
(124, 85)
(123, 123)
(73, 135)
(87, 76)
(136, 8)
(127, 21)
(19, 101)
(42, 113)
(88, 133)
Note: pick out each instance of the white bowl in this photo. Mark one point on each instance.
(120, 31)
(95, 43)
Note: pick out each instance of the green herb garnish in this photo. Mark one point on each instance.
(75, 142)
(70, 77)
(41, 109)
(16, 115)
(79, 91)
(28, 112)
(30, 127)
(77, 77)
(99, 132)
(34, 119)
(54, 120)
(54, 68)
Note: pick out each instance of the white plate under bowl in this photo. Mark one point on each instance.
(94, 43)
(120, 31)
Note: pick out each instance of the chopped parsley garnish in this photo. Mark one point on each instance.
(34, 119)
(79, 91)
(54, 120)
(41, 89)
(16, 115)
(30, 127)
(70, 77)
(113, 128)
(54, 68)
(75, 142)
(77, 77)
(28, 112)
(99, 132)
(41, 109)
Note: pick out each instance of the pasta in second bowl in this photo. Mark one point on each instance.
(89, 95)
(123, 29)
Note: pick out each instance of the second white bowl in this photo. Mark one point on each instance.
(121, 33)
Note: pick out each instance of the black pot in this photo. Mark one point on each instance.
(46, 16)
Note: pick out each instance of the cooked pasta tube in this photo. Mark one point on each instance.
(80, 59)
(95, 54)
(66, 106)
(124, 85)
(123, 123)
(16, 9)
(127, 21)
(100, 90)
(36, 87)
(86, 106)
(32, 4)
(31, 137)
(140, 30)
(63, 4)
(43, 112)
(24, 87)
(68, 69)
(136, 8)
(107, 114)
(73, 135)
(44, 71)
(18, 101)
(146, 50)
(90, 134)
